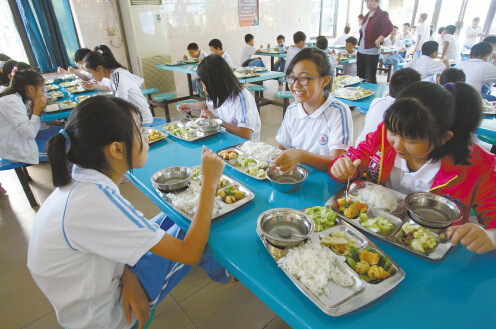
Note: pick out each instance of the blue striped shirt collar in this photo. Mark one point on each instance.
(85, 175)
(300, 114)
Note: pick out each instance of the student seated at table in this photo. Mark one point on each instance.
(480, 73)
(400, 80)
(451, 47)
(227, 99)
(349, 68)
(406, 34)
(123, 84)
(21, 139)
(317, 127)
(99, 262)
(341, 41)
(452, 75)
(248, 51)
(323, 44)
(473, 32)
(439, 39)
(492, 41)
(394, 58)
(426, 65)
(216, 49)
(281, 62)
(6, 74)
(424, 145)
(3, 59)
(195, 52)
(299, 39)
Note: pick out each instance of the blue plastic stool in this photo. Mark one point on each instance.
(22, 174)
(286, 95)
(258, 89)
(164, 99)
(148, 92)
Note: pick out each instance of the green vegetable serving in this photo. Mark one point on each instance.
(378, 224)
(323, 217)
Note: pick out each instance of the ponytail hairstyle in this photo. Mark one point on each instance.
(219, 79)
(319, 58)
(80, 54)
(21, 80)
(87, 133)
(427, 111)
(102, 49)
(4, 58)
(105, 60)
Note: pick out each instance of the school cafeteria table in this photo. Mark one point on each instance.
(389, 50)
(189, 69)
(409, 43)
(456, 292)
(272, 56)
(52, 116)
(364, 104)
(487, 127)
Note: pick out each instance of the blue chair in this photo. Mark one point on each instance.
(489, 140)
(282, 80)
(23, 175)
(258, 89)
(285, 95)
(164, 99)
(149, 92)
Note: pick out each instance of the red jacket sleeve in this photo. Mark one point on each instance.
(485, 200)
(385, 22)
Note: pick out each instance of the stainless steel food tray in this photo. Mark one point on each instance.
(344, 85)
(345, 300)
(182, 124)
(149, 130)
(442, 248)
(225, 208)
(354, 99)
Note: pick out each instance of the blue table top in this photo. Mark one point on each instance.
(487, 127)
(457, 292)
(364, 104)
(272, 54)
(409, 43)
(185, 68)
(266, 75)
(47, 117)
(393, 49)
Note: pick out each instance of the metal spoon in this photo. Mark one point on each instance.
(286, 233)
(346, 191)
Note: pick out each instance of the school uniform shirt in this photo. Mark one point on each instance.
(405, 181)
(478, 73)
(332, 60)
(104, 82)
(228, 59)
(426, 66)
(374, 116)
(409, 36)
(240, 111)
(439, 40)
(82, 237)
(398, 44)
(351, 68)
(329, 128)
(126, 85)
(292, 51)
(453, 51)
(423, 31)
(469, 42)
(18, 131)
(341, 41)
(2, 87)
(247, 52)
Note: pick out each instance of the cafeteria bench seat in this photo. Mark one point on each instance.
(258, 89)
(23, 175)
(164, 99)
(148, 92)
(286, 95)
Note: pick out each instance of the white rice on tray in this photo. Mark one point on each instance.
(259, 150)
(188, 200)
(379, 196)
(314, 266)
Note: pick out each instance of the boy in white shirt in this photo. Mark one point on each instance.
(439, 39)
(426, 65)
(350, 68)
(299, 39)
(406, 35)
(341, 41)
(323, 44)
(423, 35)
(281, 62)
(195, 52)
(451, 46)
(480, 74)
(400, 80)
(216, 48)
(249, 50)
(492, 41)
(473, 32)
(394, 58)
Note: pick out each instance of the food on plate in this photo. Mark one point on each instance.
(339, 243)
(179, 132)
(197, 175)
(350, 209)
(370, 265)
(254, 167)
(187, 201)
(67, 104)
(49, 82)
(82, 98)
(259, 150)
(77, 89)
(231, 194)
(323, 217)
(51, 87)
(228, 155)
(154, 135)
(378, 196)
(352, 93)
(315, 266)
(223, 182)
(378, 224)
(71, 83)
(56, 94)
(418, 238)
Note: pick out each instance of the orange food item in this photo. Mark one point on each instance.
(369, 257)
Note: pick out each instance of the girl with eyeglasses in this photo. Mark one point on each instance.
(227, 99)
(317, 128)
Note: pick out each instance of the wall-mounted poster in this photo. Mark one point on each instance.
(248, 12)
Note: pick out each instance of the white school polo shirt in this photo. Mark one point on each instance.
(240, 111)
(424, 32)
(341, 41)
(398, 44)
(453, 51)
(409, 36)
(426, 66)
(329, 128)
(292, 51)
(404, 181)
(247, 52)
(350, 68)
(469, 42)
(82, 237)
(202, 55)
(228, 59)
(374, 116)
(478, 73)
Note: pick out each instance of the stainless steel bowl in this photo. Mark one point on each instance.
(172, 178)
(287, 183)
(209, 125)
(432, 210)
(272, 221)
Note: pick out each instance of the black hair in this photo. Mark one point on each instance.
(414, 27)
(452, 75)
(319, 58)
(322, 42)
(347, 29)
(402, 79)
(441, 29)
(352, 40)
(481, 50)
(219, 79)
(280, 36)
(249, 37)
(7, 69)
(80, 54)
(429, 47)
(427, 111)
(20, 80)
(299, 37)
(103, 48)
(215, 43)
(450, 29)
(424, 16)
(407, 24)
(476, 19)
(4, 57)
(193, 46)
(431, 32)
(490, 39)
(361, 16)
(395, 27)
(89, 132)
(105, 60)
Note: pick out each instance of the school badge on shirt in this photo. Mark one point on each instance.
(323, 139)
(233, 121)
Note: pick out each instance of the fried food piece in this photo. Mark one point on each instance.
(230, 199)
(342, 201)
(233, 155)
(369, 257)
(222, 194)
(238, 194)
(362, 267)
(224, 155)
(351, 211)
(376, 272)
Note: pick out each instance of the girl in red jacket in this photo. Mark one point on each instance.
(424, 144)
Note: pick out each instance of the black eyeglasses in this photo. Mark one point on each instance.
(302, 81)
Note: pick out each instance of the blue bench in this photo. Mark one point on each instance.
(22, 174)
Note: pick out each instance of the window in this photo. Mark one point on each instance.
(10, 40)
(425, 6)
(355, 10)
(450, 11)
(400, 12)
(475, 8)
(323, 14)
(341, 18)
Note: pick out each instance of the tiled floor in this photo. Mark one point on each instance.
(195, 303)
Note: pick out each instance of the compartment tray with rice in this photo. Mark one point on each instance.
(180, 129)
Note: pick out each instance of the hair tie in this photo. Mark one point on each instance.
(66, 135)
(451, 87)
(2, 63)
(100, 51)
(14, 70)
